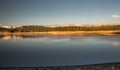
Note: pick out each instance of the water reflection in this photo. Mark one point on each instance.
(115, 40)
(22, 36)
(51, 50)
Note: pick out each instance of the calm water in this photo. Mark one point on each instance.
(49, 50)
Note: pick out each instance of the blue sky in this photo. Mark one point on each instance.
(59, 11)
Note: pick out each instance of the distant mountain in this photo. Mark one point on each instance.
(56, 25)
(10, 26)
(85, 25)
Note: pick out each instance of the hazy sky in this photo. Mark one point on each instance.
(59, 11)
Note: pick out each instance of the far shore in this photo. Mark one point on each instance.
(115, 32)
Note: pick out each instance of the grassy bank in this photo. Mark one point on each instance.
(115, 32)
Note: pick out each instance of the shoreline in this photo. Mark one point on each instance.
(109, 33)
(99, 66)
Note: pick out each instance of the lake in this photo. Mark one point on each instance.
(49, 50)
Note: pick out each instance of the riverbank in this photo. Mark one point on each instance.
(104, 66)
(117, 32)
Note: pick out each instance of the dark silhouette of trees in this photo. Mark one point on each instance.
(4, 29)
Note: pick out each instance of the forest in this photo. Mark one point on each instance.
(35, 28)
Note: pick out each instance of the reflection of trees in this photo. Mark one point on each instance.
(7, 37)
(24, 36)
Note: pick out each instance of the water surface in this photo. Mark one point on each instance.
(49, 50)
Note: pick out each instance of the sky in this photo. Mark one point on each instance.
(59, 11)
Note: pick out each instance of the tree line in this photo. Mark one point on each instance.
(66, 28)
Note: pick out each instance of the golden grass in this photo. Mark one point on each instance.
(116, 32)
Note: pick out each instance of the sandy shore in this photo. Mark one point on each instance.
(117, 32)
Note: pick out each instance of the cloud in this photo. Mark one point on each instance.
(115, 16)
